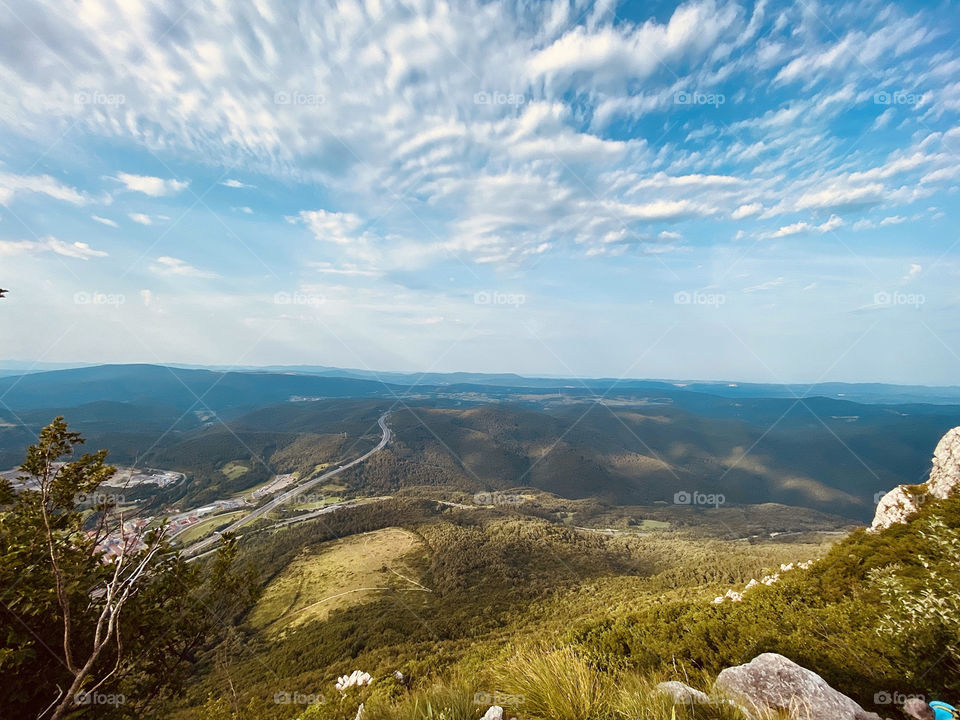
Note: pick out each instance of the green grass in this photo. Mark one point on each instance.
(336, 576)
(234, 469)
(327, 500)
(500, 581)
(557, 684)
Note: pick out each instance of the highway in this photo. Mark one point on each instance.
(285, 497)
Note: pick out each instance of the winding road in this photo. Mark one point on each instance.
(285, 497)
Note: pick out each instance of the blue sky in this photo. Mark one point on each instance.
(714, 190)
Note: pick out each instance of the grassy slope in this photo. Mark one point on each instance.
(499, 580)
(339, 575)
(579, 625)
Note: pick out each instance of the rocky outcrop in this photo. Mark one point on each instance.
(682, 694)
(904, 500)
(897, 506)
(945, 475)
(772, 683)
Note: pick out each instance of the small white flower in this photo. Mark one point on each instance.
(354, 679)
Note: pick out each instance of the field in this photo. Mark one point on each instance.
(234, 469)
(339, 575)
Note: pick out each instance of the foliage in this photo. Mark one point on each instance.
(877, 614)
(81, 635)
(922, 610)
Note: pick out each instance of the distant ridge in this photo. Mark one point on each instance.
(872, 393)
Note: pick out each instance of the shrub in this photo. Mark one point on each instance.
(558, 684)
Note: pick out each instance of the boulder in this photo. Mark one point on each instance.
(495, 712)
(772, 683)
(681, 694)
(918, 709)
(897, 506)
(904, 500)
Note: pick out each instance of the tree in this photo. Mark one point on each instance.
(98, 616)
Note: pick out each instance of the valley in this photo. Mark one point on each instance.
(438, 535)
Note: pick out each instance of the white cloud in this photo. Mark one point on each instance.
(867, 224)
(166, 265)
(78, 250)
(788, 230)
(12, 184)
(104, 221)
(336, 227)
(768, 285)
(657, 210)
(883, 119)
(912, 272)
(141, 218)
(618, 55)
(401, 138)
(746, 210)
(152, 186)
(839, 195)
(798, 228)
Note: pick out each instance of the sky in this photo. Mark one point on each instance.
(709, 190)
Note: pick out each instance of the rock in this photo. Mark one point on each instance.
(495, 712)
(918, 709)
(896, 507)
(904, 500)
(682, 694)
(945, 475)
(771, 683)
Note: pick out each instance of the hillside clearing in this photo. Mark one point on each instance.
(341, 574)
